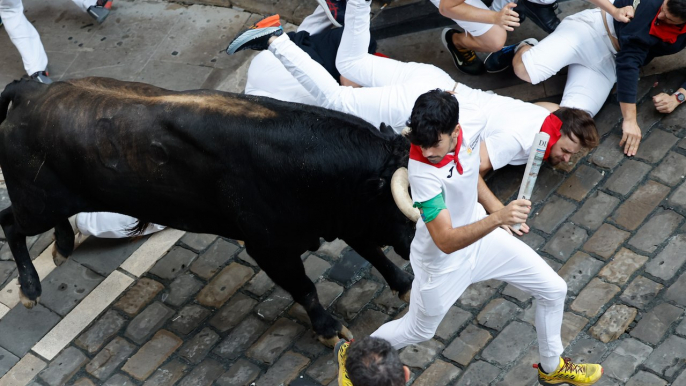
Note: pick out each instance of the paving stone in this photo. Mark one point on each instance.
(554, 213)
(332, 249)
(389, 302)
(578, 271)
(152, 355)
(195, 349)
(572, 324)
(510, 343)
(681, 329)
(645, 378)
(224, 285)
(613, 323)
(327, 291)
(452, 322)
(625, 359)
(274, 305)
(479, 373)
(66, 286)
(41, 243)
(63, 367)
(241, 373)
(627, 176)
(148, 322)
(311, 346)
(241, 338)
(110, 358)
(676, 291)
(548, 179)
(532, 240)
(356, 297)
(275, 341)
(138, 296)
(7, 269)
(105, 328)
(634, 210)
(324, 369)
(188, 319)
(350, 266)
(18, 336)
(210, 261)
(667, 263)
(605, 241)
(682, 143)
(244, 256)
(232, 312)
(203, 374)
(594, 297)
(83, 382)
(181, 290)
(477, 294)
(315, 267)
(671, 169)
(467, 344)
(497, 313)
(168, 374)
(640, 292)
(119, 380)
(586, 350)
(579, 183)
(608, 154)
(653, 325)
(681, 379)
(516, 293)
(595, 210)
(173, 263)
(197, 241)
(660, 226)
(622, 266)
(285, 370)
(421, 354)
(260, 284)
(503, 182)
(667, 359)
(656, 146)
(7, 360)
(439, 373)
(367, 322)
(104, 255)
(678, 198)
(565, 241)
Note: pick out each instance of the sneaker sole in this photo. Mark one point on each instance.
(322, 3)
(247, 36)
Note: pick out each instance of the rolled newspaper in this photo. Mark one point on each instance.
(533, 165)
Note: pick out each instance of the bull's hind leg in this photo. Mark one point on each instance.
(399, 280)
(64, 242)
(30, 290)
(287, 271)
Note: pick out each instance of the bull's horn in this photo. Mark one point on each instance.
(399, 186)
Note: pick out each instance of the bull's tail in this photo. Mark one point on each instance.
(6, 97)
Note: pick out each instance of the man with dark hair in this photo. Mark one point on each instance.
(369, 362)
(601, 47)
(457, 244)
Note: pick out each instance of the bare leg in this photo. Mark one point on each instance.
(491, 41)
(518, 64)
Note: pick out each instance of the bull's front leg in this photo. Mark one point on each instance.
(30, 290)
(399, 280)
(64, 242)
(288, 272)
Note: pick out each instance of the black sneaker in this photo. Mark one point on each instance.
(257, 36)
(502, 60)
(41, 77)
(100, 10)
(335, 10)
(465, 59)
(543, 15)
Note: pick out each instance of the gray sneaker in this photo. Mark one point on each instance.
(41, 77)
(100, 10)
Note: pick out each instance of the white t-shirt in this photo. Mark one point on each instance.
(268, 77)
(460, 195)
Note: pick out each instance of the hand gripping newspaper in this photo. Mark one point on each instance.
(533, 165)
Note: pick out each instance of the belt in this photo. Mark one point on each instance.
(613, 40)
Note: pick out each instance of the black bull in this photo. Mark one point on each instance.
(276, 175)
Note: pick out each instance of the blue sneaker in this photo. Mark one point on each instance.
(502, 60)
(257, 36)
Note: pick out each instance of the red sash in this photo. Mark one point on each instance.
(416, 154)
(668, 33)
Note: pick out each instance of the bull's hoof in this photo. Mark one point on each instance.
(28, 303)
(57, 257)
(405, 297)
(330, 342)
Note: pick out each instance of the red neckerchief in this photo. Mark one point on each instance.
(668, 33)
(551, 126)
(416, 154)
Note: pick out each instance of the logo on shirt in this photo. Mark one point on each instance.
(472, 145)
(451, 171)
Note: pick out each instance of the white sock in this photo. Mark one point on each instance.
(549, 364)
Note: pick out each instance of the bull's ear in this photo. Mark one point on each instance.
(385, 129)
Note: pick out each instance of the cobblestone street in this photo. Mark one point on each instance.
(186, 309)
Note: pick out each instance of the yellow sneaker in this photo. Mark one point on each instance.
(341, 352)
(571, 373)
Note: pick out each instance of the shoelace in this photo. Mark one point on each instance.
(468, 55)
(572, 367)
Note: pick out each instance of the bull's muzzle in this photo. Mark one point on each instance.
(399, 188)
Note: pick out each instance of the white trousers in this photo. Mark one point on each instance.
(580, 42)
(390, 87)
(109, 225)
(498, 256)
